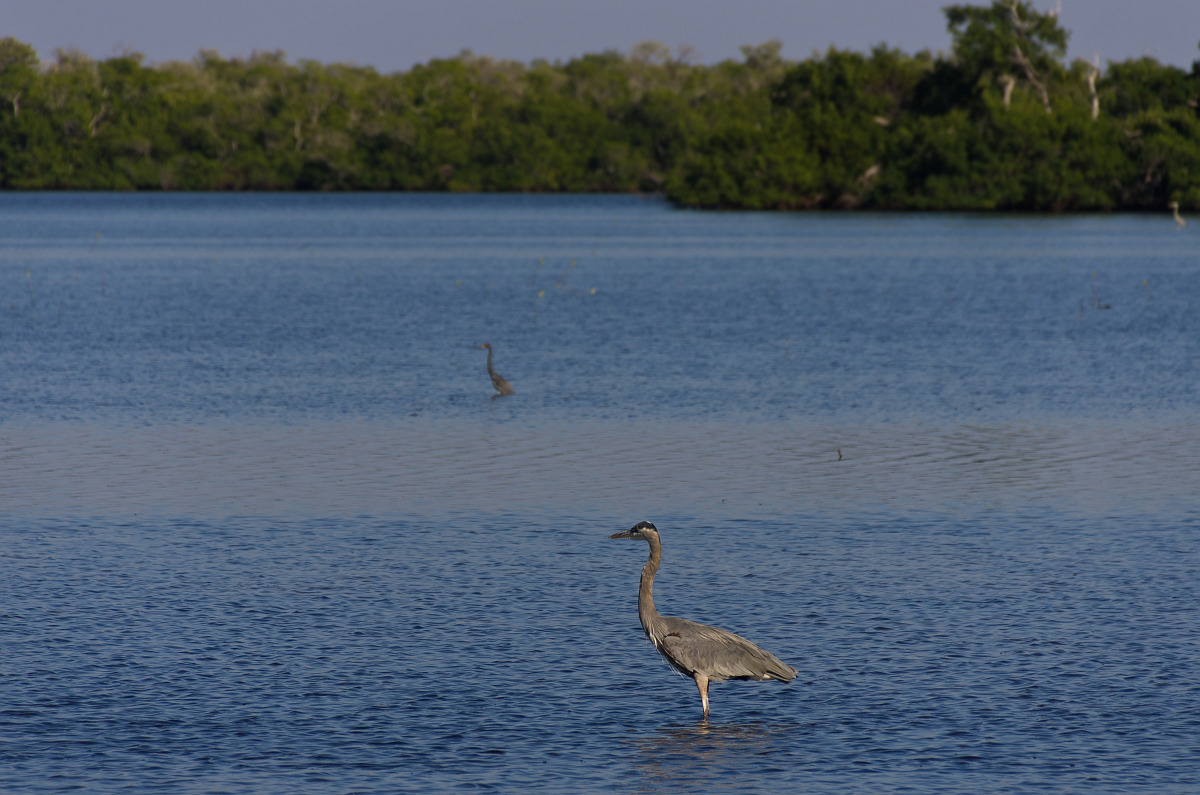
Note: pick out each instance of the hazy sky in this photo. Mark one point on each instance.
(392, 35)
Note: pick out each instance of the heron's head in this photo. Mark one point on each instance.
(642, 530)
(487, 345)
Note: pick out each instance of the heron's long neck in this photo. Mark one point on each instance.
(646, 613)
(491, 370)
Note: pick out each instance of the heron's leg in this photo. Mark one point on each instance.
(702, 686)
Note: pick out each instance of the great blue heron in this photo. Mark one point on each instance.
(704, 653)
(1178, 218)
(502, 386)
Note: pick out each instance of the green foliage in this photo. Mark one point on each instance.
(846, 103)
(1163, 147)
(1020, 159)
(755, 158)
(1009, 38)
(1144, 84)
(1000, 123)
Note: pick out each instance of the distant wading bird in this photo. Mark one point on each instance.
(704, 653)
(1178, 218)
(502, 386)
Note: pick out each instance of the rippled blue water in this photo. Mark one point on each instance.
(262, 527)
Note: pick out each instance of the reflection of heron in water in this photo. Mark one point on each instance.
(683, 758)
(1175, 211)
(502, 386)
(704, 653)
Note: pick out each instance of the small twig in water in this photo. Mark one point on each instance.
(536, 302)
(1095, 300)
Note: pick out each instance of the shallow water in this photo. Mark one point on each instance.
(263, 529)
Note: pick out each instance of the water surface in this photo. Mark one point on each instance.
(262, 527)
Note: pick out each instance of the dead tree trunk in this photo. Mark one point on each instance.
(1092, 77)
(1008, 82)
(1020, 59)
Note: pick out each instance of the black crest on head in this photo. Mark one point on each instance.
(645, 526)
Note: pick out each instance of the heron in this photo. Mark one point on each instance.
(704, 653)
(1178, 218)
(502, 387)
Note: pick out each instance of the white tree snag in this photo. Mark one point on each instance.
(1092, 76)
(1020, 59)
(1031, 76)
(1008, 82)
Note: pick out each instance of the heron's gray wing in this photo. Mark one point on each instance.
(719, 654)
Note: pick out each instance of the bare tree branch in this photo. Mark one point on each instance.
(1020, 59)
(1009, 82)
(1093, 75)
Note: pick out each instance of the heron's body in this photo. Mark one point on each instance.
(502, 387)
(704, 653)
(1179, 221)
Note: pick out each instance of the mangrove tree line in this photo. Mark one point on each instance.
(1002, 121)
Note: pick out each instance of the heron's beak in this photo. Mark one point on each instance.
(622, 534)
